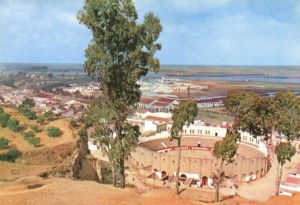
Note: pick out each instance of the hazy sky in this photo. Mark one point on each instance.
(210, 32)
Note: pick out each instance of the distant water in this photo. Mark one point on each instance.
(225, 75)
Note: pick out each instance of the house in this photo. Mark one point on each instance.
(291, 185)
(154, 123)
(68, 113)
(161, 107)
(145, 103)
(41, 97)
(210, 102)
(158, 105)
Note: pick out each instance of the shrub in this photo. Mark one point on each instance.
(13, 124)
(83, 133)
(73, 124)
(22, 109)
(34, 141)
(12, 155)
(26, 106)
(30, 115)
(53, 132)
(35, 128)
(28, 135)
(3, 143)
(41, 120)
(1, 110)
(4, 117)
(49, 116)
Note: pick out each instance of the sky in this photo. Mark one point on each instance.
(195, 32)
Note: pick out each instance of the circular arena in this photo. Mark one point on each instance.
(156, 157)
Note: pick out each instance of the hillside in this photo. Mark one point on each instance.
(54, 156)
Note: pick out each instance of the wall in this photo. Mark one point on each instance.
(241, 170)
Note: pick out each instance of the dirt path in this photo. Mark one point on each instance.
(261, 189)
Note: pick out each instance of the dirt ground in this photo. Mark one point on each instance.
(56, 191)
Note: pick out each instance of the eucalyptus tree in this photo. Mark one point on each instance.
(284, 151)
(183, 115)
(287, 107)
(239, 103)
(225, 150)
(102, 120)
(120, 53)
(287, 123)
(261, 119)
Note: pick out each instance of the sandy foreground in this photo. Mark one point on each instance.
(52, 191)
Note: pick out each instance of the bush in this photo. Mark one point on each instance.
(73, 124)
(12, 155)
(49, 116)
(3, 143)
(1, 110)
(26, 106)
(41, 120)
(30, 115)
(34, 141)
(28, 135)
(13, 124)
(35, 128)
(53, 132)
(83, 133)
(4, 117)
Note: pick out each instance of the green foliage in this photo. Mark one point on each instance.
(120, 53)
(239, 102)
(34, 141)
(28, 135)
(73, 124)
(53, 132)
(4, 117)
(13, 124)
(287, 114)
(30, 115)
(183, 115)
(3, 143)
(226, 148)
(260, 116)
(12, 155)
(1, 110)
(259, 121)
(48, 116)
(22, 109)
(35, 128)
(284, 151)
(83, 133)
(26, 106)
(41, 120)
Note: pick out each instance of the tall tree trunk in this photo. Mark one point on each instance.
(279, 175)
(178, 166)
(122, 173)
(218, 182)
(114, 175)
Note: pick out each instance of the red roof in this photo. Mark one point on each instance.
(154, 118)
(43, 95)
(146, 101)
(160, 104)
(293, 180)
(165, 100)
